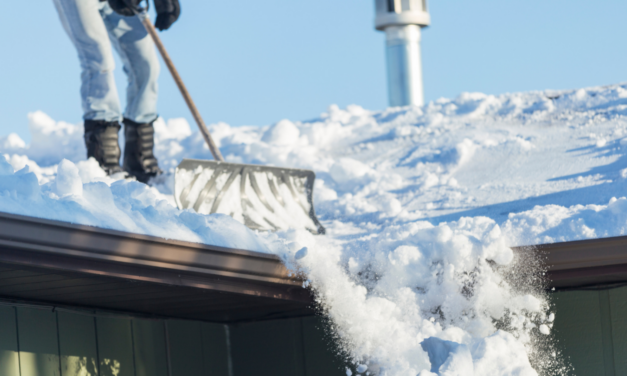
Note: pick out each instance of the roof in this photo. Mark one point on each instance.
(65, 264)
(584, 263)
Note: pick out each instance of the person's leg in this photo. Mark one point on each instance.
(86, 29)
(101, 108)
(137, 51)
(141, 64)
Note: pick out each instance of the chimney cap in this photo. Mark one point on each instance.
(401, 12)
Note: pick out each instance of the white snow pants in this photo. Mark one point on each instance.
(94, 27)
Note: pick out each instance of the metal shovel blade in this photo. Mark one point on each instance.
(261, 197)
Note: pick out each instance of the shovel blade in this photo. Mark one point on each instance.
(261, 197)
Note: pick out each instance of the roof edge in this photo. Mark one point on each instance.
(113, 248)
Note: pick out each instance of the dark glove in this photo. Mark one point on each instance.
(123, 7)
(168, 11)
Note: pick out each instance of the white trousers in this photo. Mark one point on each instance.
(94, 28)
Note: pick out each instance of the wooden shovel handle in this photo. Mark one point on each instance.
(179, 82)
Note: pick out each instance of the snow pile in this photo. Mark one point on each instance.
(81, 193)
(416, 298)
(421, 206)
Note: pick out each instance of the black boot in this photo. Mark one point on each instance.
(101, 140)
(139, 160)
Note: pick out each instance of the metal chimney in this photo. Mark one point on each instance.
(402, 20)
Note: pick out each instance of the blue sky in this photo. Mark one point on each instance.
(252, 62)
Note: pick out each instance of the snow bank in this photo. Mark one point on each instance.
(421, 207)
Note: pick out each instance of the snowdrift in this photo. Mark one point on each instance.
(421, 207)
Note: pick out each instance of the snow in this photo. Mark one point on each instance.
(421, 207)
(544, 329)
(109, 203)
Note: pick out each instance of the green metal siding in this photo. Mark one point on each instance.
(618, 299)
(38, 341)
(43, 342)
(294, 347)
(321, 352)
(272, 346)
(215, 350)
(578, 329)
(606, 332)
(77, 344)
(115, 346)
(151, 357)
(186, 348)
(9, 359)
(591, 330)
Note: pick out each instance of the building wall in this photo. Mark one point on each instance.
(37, 341)
(591, 330)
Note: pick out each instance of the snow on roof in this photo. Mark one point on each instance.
(421, 207)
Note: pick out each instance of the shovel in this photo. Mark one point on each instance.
(261, 197)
